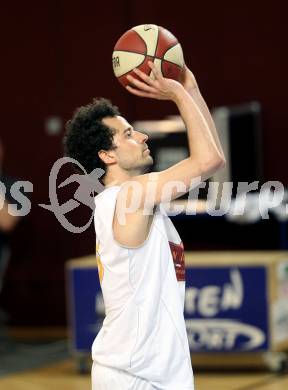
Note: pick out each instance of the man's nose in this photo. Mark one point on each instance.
(144, 137)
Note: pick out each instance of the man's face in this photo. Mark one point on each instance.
(132, 152)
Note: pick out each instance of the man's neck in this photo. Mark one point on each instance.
(117, 180)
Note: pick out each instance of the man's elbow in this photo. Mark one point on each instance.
(222, 162)
(219, 163)
(214, 164)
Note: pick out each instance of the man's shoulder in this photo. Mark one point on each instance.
(107, 194)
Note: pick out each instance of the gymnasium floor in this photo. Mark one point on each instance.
(41, 360)
(64, 376)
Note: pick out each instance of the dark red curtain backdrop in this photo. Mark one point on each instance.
(56, 55)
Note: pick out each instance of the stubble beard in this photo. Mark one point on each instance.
(142, 168)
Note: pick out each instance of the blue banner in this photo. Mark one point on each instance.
(86, 306)
(225, 308)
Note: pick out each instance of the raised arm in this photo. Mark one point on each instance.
(205, 157)
(191, 86)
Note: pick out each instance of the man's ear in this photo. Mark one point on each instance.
(107, 156)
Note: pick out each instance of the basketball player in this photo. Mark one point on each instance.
(142, 344)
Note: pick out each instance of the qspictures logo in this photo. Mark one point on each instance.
(88, 184)
(252, 202)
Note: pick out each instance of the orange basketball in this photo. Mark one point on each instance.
(144, 43)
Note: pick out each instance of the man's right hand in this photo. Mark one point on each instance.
(159, 88)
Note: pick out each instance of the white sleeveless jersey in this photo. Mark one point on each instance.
(143, 288)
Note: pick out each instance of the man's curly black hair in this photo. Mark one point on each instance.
(86, 134)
